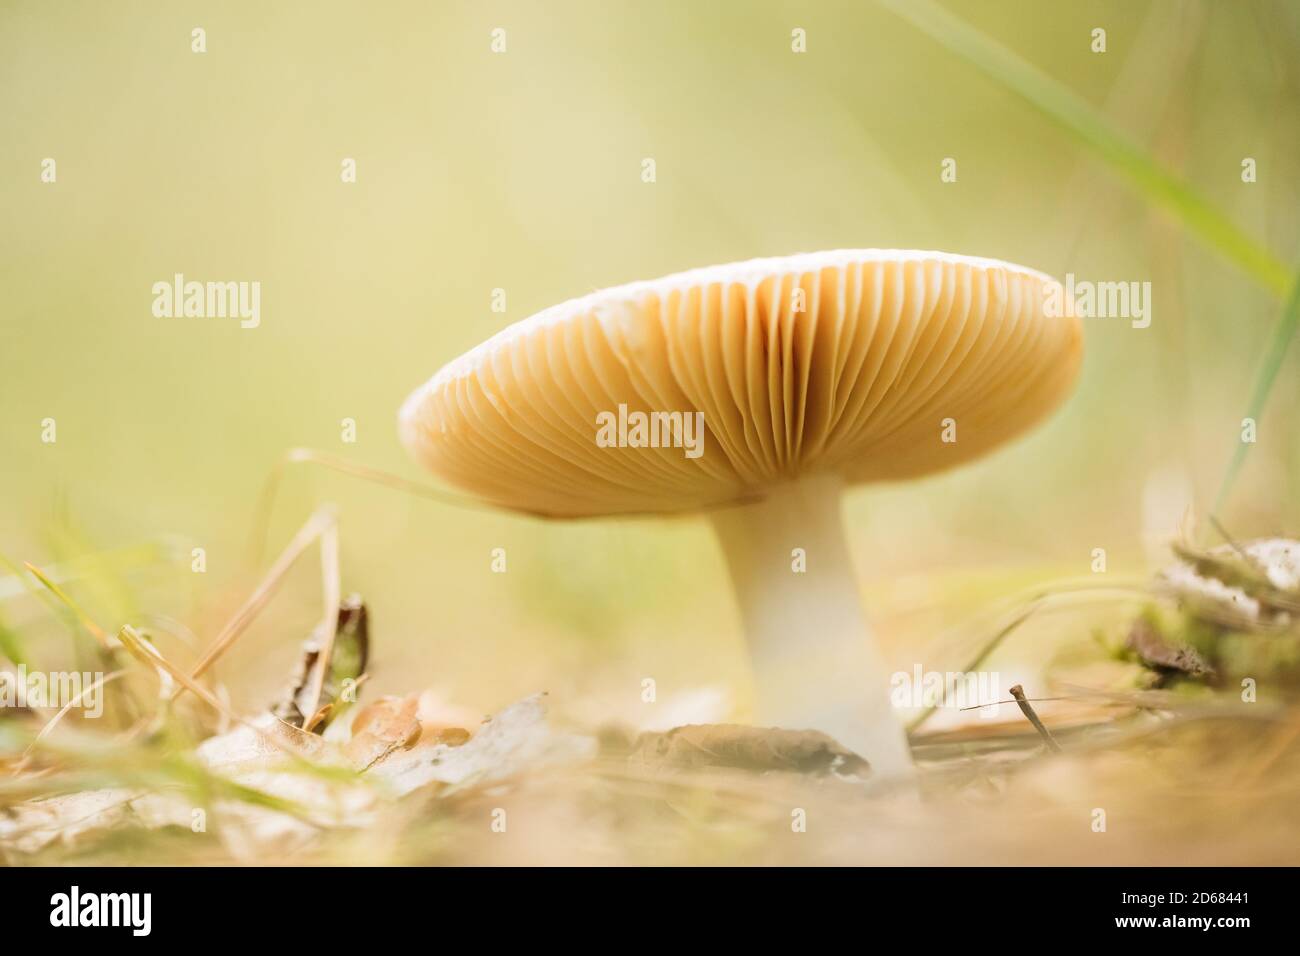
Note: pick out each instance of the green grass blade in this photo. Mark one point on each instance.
(58, 609)
(79, 613)
(1072, 112)
(10, 645)
(1278, 344)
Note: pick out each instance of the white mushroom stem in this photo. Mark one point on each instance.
(815, 662)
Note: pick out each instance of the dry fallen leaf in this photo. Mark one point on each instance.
(388, 724)
(1163, 655)
(70, 818)
(328, 784)
(348, 662)
(516, 739)
(263, 757)
(746, 748)
(266, 755)
(444, 722)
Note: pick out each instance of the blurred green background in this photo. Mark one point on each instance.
(522, 171)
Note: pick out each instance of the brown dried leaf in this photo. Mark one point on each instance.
(514, 741)
(348, 662)
(390, 723)
(258, 757)
(746, 748)
(442, 722)
(446, 736)
(1156, 652)
(73, 818)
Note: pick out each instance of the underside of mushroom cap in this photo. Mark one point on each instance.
(876, 365)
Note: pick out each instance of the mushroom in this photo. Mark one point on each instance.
(811, 373)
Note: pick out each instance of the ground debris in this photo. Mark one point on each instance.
(347, 663)
(304, 773)
(517, 739)
(289, 786)
(73, 818)
(1253, 585)
(388, 724)
(1157, 652)
(266, 757)
(760, 749)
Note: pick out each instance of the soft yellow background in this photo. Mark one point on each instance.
(522, 171)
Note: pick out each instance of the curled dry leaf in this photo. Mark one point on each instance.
(444, 722)
(347, 663)
(389, 724)
(697, 746)
(278, 760)
(264, 740)
(1163, 655)
(69, 819)
(262, 758)
(517, 739)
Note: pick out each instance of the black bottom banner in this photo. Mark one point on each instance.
(305, 906)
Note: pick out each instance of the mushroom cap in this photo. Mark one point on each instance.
(847, 362)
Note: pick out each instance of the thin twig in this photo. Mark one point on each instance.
(980, 657)
(308, 456)
(320, 520)
(296, 456)
(146, 653)
(995, 703)
(1027, 709)
(50, 724)
(142, 650)
(329, 627)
